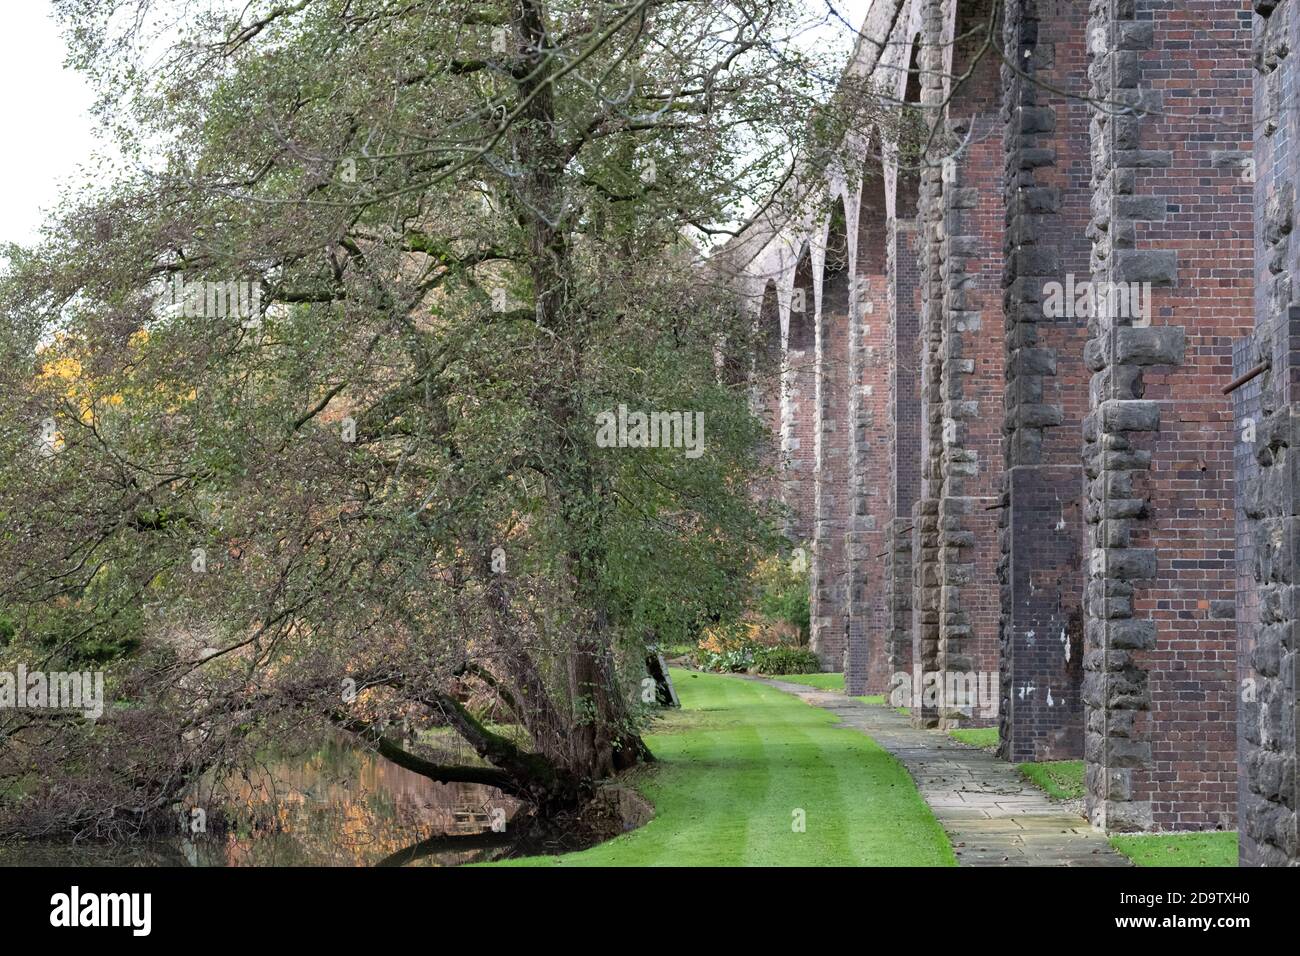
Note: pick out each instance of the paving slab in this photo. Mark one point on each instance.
(992, 815)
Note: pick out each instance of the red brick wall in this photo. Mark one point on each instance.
(1163, 754)
(905, 420)
(973, 371)
(871, 419)
(830, 598)
(1048, 211)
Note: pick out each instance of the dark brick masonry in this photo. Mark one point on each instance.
(1064, 498)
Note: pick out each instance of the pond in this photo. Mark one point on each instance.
(338, 806)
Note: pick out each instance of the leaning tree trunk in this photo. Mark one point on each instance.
(603, 739)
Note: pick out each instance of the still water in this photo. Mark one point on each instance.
(337, 806)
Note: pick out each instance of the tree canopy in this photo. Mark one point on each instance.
(298, 411)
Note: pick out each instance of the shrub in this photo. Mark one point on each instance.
(786, 660)
(783, 596)
(728, 648)
(729, 662)
(743, 654)
(772, 637)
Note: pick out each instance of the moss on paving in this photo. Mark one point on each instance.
(976, 736)
(736, 763)
(1179, 849)
(1061, 779)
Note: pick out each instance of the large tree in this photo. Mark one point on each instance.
(355, 476)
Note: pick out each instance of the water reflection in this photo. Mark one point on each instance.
(338, 806)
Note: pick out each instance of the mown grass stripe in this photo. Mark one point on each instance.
(733, 765)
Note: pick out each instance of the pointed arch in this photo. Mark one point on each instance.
(802, 330)
(766, 390)
(830, 594)
(798, 403)
(767, 358)
(907, 180)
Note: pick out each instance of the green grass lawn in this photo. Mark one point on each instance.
(1062, 779)
(976, 736)
(736, 763)
(1179, 849)
(820, 681)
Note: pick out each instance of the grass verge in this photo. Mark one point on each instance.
(738, 768)
(820, 681)
(1179, 849)
(976, 736)
(1061, 779)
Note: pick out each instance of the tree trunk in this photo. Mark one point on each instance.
(603, 739)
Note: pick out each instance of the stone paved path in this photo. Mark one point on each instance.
(993, 817)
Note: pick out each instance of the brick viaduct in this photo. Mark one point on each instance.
(1066, 501)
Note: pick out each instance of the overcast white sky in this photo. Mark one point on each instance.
(45, 112)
